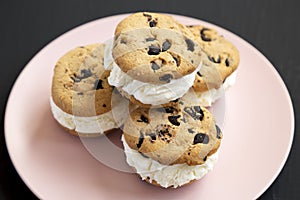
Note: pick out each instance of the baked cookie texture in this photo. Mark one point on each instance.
(220, 58)
(177, 134)
(155, 48)
(79, 85)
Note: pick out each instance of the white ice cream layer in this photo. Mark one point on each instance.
(146, 93)
(207, 98)
(167, 175)
(94, 124)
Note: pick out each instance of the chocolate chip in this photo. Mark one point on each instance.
(173, 120)
(166, 78)
(205, 158)
(166, 45)
(154, 66)
(85, 73)
(153, 50)
(191, 130)
(169, 109)
(123, 41)
(227, 63)
(190, 26)
(75, 79)
(212, 59)
(80, 93)
(203, 36)
(201, 138)
(152, 23)
(141, 140)
(148, 16)
(152, 136)
(199, 74)
(98, 84)
(219, 134)
(190, 44)
(198, 109)
(176, 61)
(175, 101)
(143, 119)
(104, 105)
(150, 39)
(196, 115)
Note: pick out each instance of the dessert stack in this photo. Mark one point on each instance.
(169, 73)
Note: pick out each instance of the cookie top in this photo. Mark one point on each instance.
(220, 58)
(79, 85)
(175, 134)
(155, 48)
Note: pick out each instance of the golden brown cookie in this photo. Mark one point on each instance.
(220, 58)
(155, 48)
(175, 134)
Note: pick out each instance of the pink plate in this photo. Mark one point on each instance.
(258, 132)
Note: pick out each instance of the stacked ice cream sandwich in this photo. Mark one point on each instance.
(169, 73)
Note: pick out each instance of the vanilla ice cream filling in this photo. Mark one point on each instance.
(147, 93)
(167, 175)
(89, 125)
(208, 97)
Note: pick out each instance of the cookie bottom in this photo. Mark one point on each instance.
(154, 183)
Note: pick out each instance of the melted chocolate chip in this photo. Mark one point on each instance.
(104, 105)
(166, 45)
(227, 63)
(148, 16)
(152, 23)
(205, 158)
(219, 134)
(199, 74)
(194, 112)
(191, 130)
(176, 61)
(169, 109)
(80, 93)
(175, 101)
(190, 44)
(143, 119)
(141, 140)
(198, 109)
(203, 36)
(98, 84)
(150, 39)
(154, 66)
(153, 50)
(75, 79)
(203, 30)
(85, 73)
(201, 138)
(152, 136)
(166, 78)
(213, 59)
(173, 120)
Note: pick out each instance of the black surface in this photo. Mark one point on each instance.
(271, 26)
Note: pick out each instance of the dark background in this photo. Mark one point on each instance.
(272, 26)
